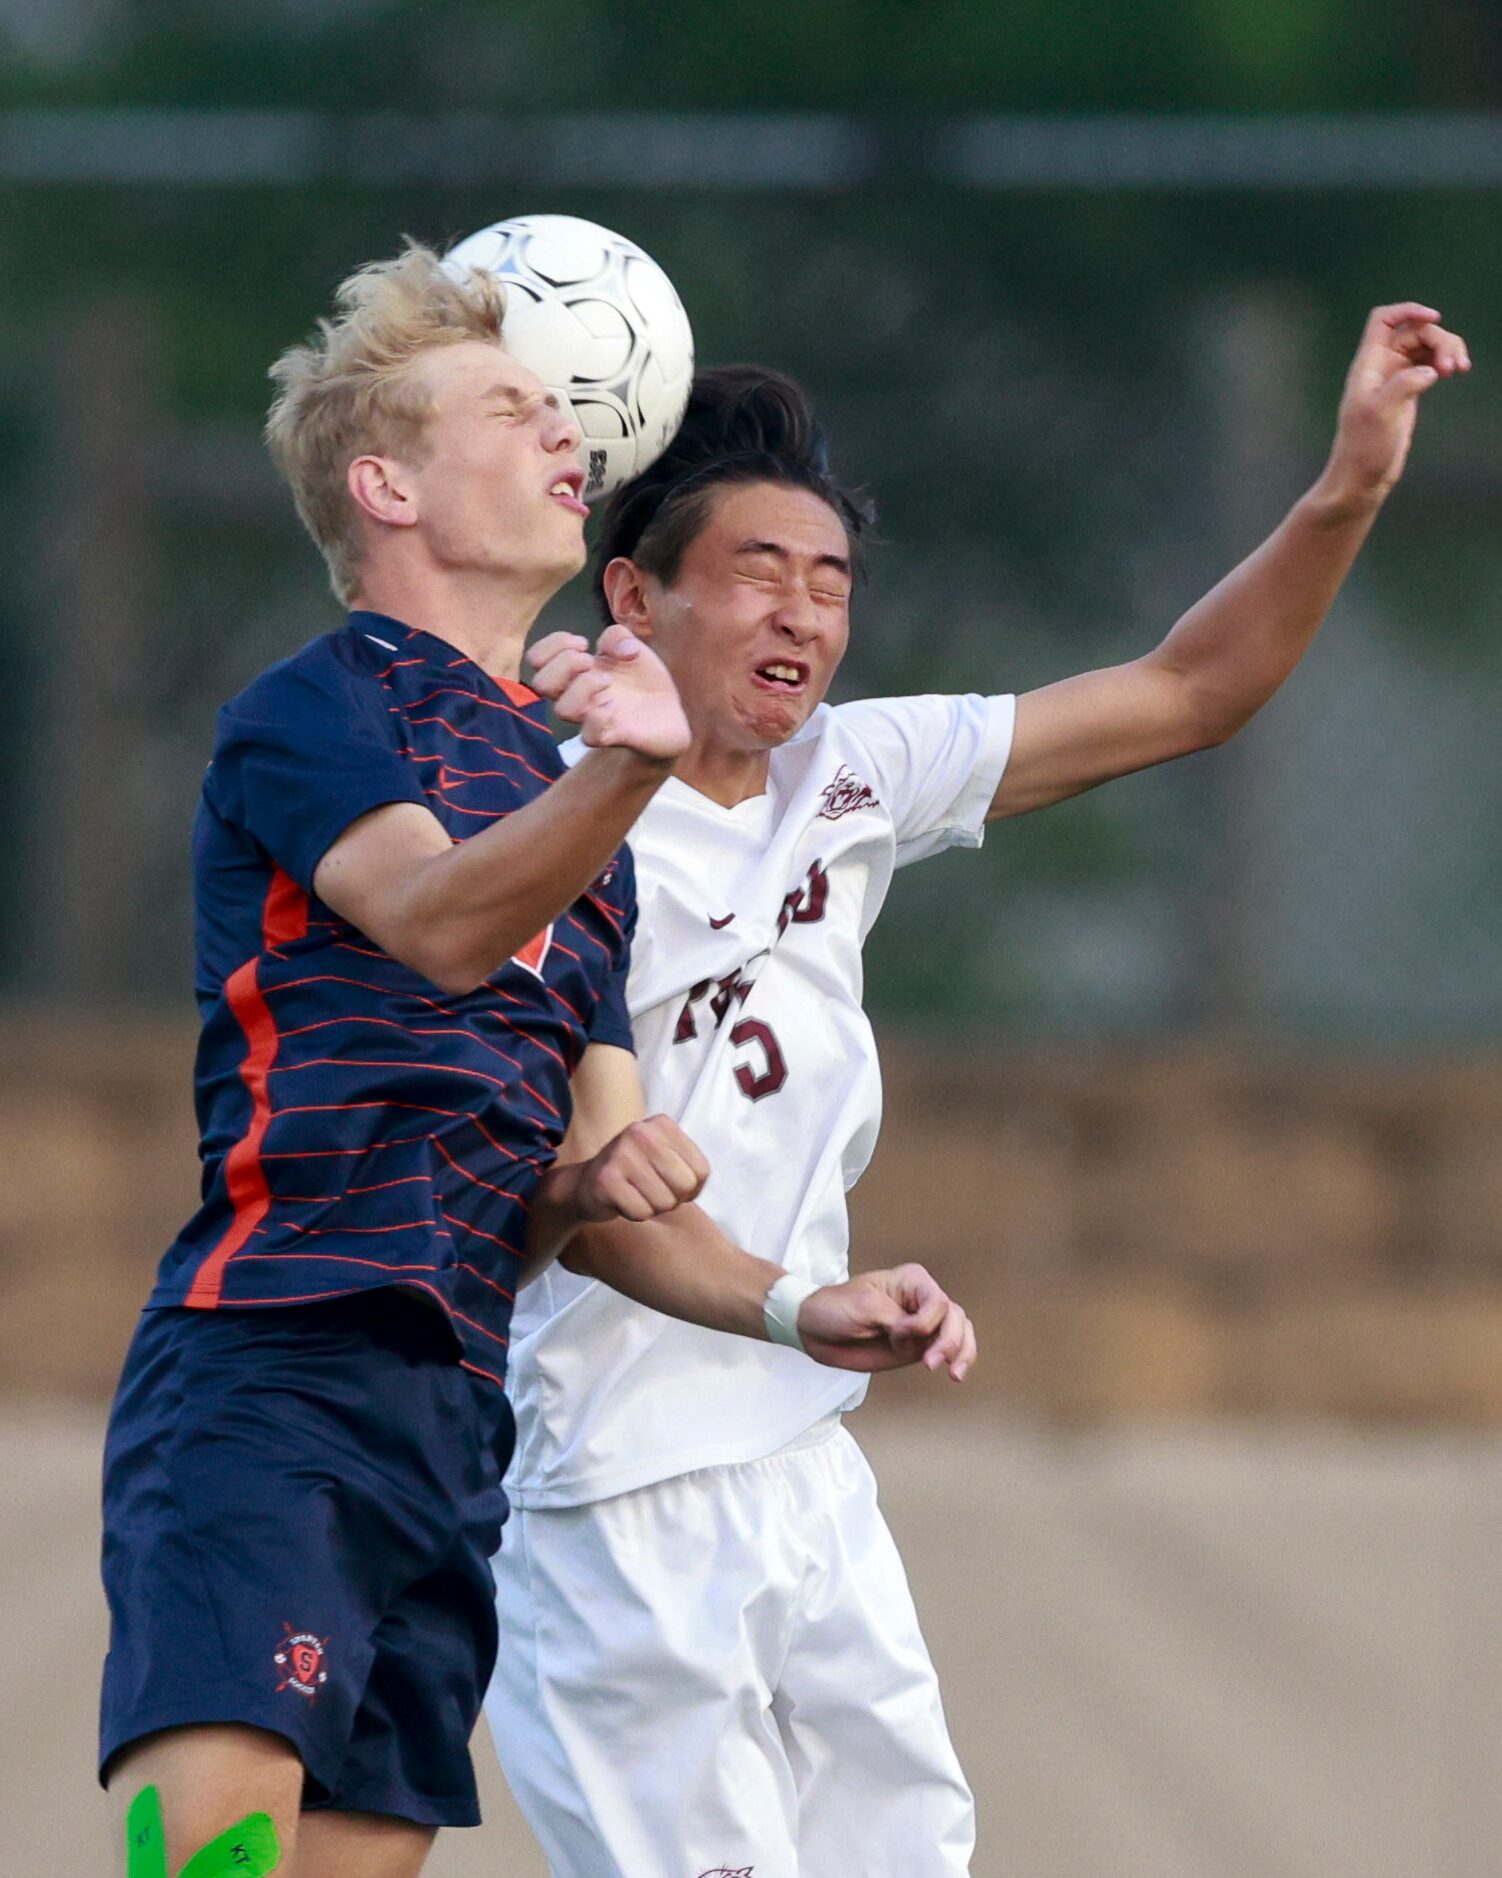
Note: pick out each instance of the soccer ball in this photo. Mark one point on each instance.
(599, 323)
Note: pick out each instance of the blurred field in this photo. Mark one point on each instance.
(1181, 1654)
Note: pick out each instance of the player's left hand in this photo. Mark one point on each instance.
(887, 1320)
(620, 694)
(648, 1169)
(1403, 351)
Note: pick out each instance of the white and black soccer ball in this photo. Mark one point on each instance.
(599, 323)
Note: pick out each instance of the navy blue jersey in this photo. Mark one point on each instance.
(360, 1127)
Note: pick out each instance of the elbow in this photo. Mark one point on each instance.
(1209, 718)
(449, 967)
(455, 984)
(454, 974)
(1215, 731)
(439, 947)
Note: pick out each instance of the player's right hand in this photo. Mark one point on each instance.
(1403, 351)
(621, 695)
(650, 1168)
(887, 1320)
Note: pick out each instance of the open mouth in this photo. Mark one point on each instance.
(788, 676)
(568, 488)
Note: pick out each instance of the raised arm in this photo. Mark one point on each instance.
(1233, 649)
(617, 1206)
(457, 913)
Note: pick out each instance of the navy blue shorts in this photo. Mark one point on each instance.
(300, 1508)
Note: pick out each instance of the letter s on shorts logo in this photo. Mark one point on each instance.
(301, 1660)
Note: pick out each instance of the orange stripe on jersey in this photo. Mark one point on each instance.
(284, 917)
(285, 914)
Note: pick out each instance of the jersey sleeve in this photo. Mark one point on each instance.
(305, 751)
(937, 762)
(611, 1022)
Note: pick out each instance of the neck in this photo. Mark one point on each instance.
(486, 618)
(725, 776)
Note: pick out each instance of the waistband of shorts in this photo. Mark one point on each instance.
(814, 1436)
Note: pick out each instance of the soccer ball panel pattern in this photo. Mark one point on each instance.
(601, 324)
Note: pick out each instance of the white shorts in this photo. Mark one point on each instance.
(723, 1673)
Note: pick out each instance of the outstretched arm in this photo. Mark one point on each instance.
(617, 1206)
(1233, 649)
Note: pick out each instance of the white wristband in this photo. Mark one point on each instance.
(780, 1308)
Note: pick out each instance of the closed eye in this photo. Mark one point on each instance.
(514, 404)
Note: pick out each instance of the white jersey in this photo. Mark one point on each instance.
(745, 997)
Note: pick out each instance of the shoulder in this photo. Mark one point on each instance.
(874, 720)
(859, 739)
(876, 723)
(328, 671)
(920, 727)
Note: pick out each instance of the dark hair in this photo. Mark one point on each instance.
(744, 424)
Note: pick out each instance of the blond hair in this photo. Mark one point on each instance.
(351, 388)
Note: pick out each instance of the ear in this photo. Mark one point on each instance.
(628, 596)
(378, 488)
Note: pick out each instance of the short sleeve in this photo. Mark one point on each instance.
(939, 761)
(611, 1022)
(305, 751)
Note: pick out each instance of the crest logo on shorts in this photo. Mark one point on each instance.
(301, 1660)
(846, 794)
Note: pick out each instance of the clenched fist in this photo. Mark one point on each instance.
(620, 694)
(650, 1168)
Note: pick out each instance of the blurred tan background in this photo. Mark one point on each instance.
(1194, 1084)
(1209, 1549)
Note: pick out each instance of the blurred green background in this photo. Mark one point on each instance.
(1073, 287)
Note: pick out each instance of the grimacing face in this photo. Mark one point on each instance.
(498, 487)
(757, 618)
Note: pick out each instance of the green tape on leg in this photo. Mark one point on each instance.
(248, 1850)
(145, 1842)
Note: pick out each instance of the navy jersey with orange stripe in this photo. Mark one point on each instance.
(360, 1127)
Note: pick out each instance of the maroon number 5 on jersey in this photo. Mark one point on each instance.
(803, 906)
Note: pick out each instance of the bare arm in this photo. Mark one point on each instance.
(617, 1206)
(457, 913)
(1232, 650)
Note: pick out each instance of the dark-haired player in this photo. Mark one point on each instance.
(710, 1660)
(412, 935)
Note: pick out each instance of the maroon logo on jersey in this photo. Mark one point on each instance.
(301, 1661)
(845, 795)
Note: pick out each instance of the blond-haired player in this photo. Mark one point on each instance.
(413, 931)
